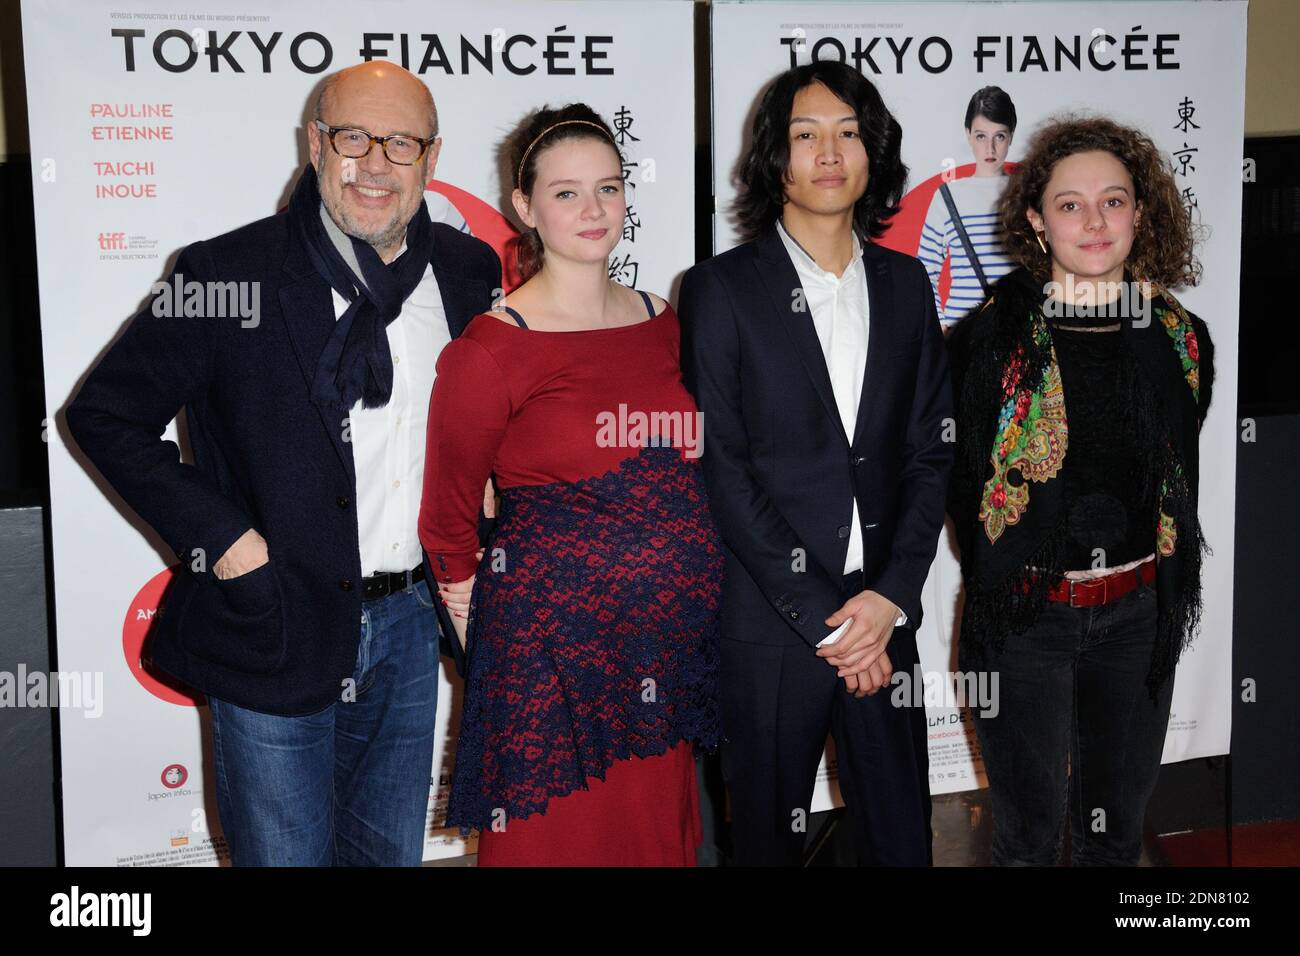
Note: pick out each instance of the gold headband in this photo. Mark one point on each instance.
(519, 178)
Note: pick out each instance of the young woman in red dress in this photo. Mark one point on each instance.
(591, 620)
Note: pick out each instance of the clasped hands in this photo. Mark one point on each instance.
(859, 654)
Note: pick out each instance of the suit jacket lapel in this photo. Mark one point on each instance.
(780, 280)
(308, 307)
(880, 302)
(462, 298)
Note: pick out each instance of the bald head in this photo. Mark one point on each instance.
(370, 197)
(377, 79)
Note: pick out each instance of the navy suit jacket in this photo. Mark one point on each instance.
(781, 473)
(280, 639)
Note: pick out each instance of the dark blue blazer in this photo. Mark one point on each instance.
(781, 473)
(282, 638)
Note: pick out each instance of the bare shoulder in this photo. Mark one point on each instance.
(659, 303)
(501, 316)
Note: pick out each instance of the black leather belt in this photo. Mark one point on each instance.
(384, 583)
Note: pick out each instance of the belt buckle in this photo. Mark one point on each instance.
(387, 583)
(1103, 582)
(381, 589)
(1088, 583)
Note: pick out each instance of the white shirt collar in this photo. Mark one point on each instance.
(807, 264)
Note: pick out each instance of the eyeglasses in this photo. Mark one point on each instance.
(356, 143)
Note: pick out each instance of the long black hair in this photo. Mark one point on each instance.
(765, 166)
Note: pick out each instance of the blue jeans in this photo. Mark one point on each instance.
(348, 786)
(1076, 735)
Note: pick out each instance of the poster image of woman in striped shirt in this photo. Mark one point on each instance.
(962, 227)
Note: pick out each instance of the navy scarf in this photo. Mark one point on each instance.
(356, 364)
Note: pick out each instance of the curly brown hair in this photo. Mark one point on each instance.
(1163, 244)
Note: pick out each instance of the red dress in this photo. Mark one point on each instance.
(593, 626)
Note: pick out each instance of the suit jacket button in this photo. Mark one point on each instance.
(345, 584)
(842, 531)
(860, 459)
(343, 501)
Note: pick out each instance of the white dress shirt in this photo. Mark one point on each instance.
(388, 443)
(841, 315)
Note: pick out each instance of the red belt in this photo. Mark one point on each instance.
(1095, 591)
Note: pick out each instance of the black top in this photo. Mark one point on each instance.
(1133, 412)
(1110, 510)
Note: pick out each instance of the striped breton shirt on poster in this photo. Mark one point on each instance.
(976, 198)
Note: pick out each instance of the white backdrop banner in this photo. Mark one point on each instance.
(152, 129)
(1173, 69)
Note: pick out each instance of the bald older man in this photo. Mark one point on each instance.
(301, 606)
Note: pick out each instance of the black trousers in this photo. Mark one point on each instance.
(779, 701)
(1076, 735)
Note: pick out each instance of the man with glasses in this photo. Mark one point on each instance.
(297, 521)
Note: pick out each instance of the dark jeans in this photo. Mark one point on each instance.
(348, 786)
(1074, 722)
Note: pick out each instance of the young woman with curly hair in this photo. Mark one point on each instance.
(1080, 388)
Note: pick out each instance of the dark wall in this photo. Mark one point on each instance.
(1266, 624)
(28, 787)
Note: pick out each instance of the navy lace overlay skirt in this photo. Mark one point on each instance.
(593, 635)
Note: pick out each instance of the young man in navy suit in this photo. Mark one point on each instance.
(301, 606)
(817, 360)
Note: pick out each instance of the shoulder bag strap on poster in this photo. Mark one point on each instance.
(964, 236)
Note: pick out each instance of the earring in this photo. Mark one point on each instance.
(1039, 237)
